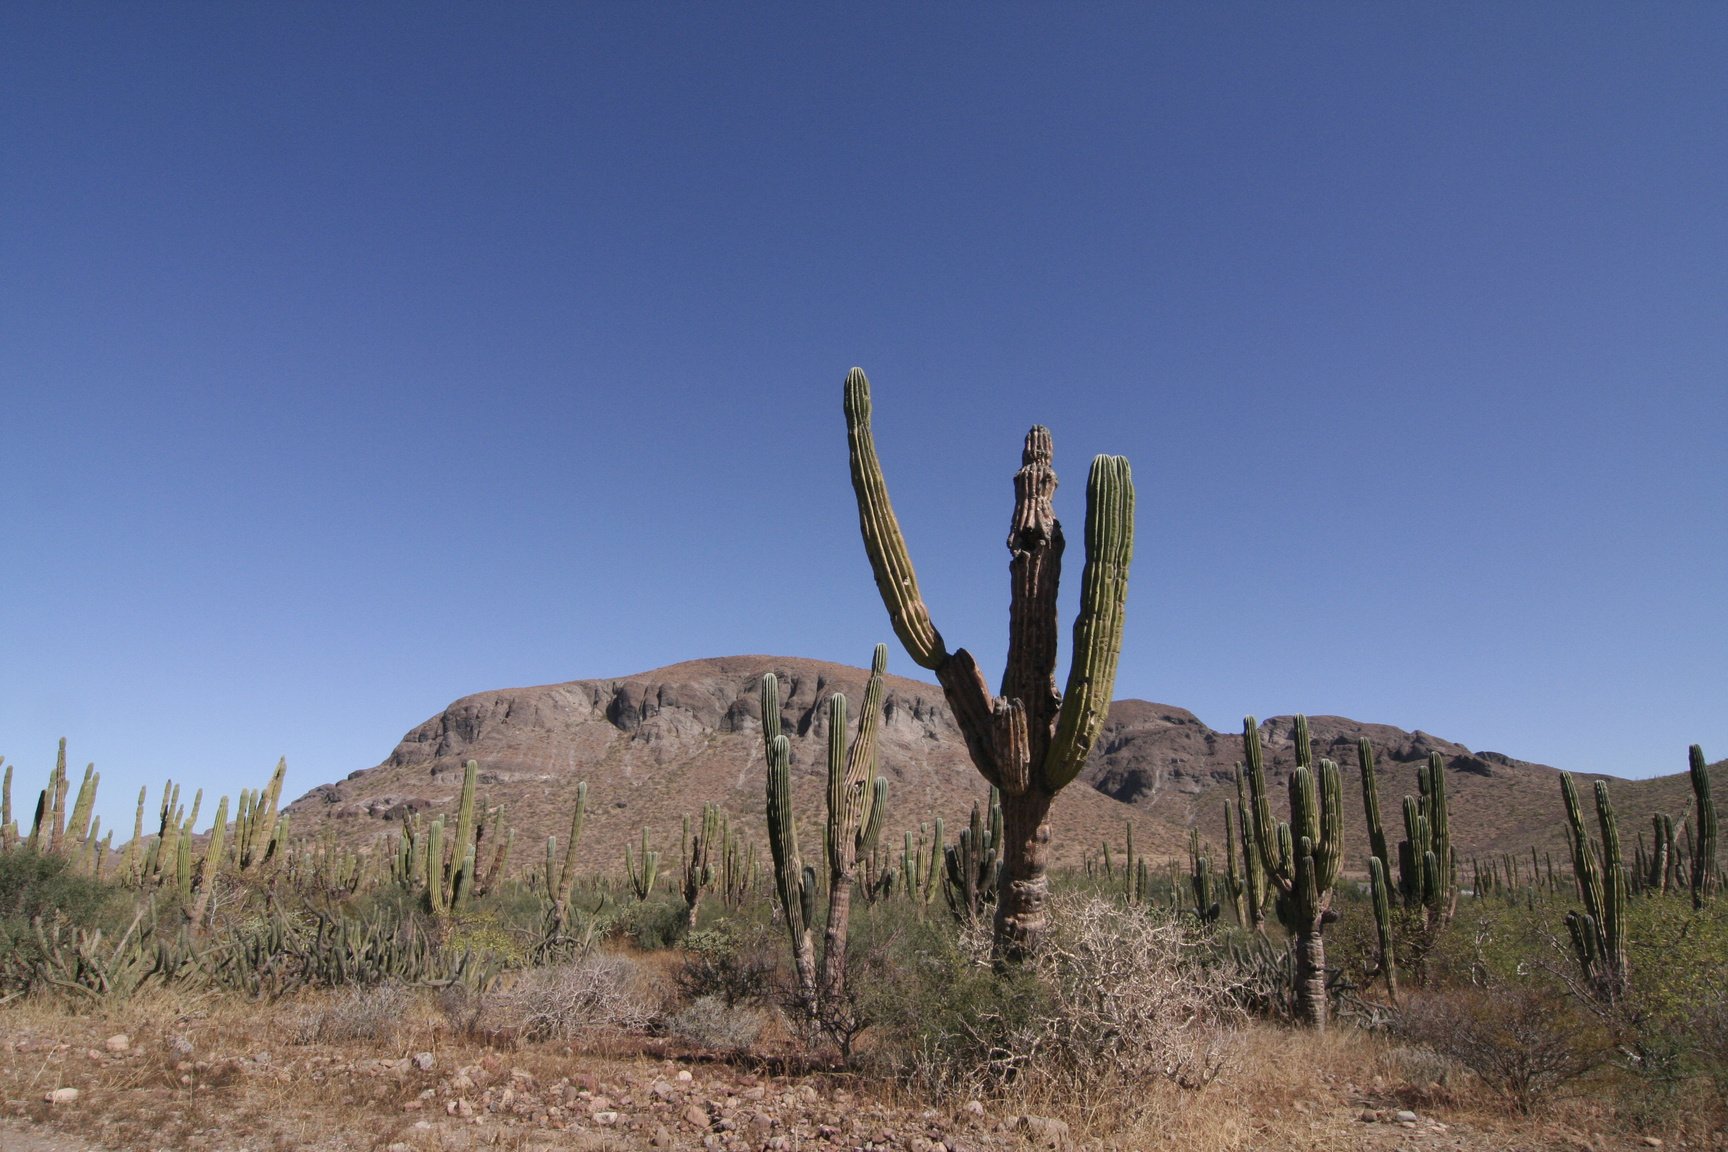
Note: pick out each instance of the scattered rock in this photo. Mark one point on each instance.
(118, 1043)
(425, 1061)
(62, 1096)
(1044, 1131)
(1405, 1116)
(606, 1119)
(696, 1116)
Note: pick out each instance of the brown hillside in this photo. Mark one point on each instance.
(659, 744)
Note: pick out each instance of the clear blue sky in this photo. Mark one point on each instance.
(356, 358)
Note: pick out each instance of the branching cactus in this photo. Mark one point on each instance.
(1200, 880)
(1029, 741)
(853, 822)
(1599, 932)
(561, 883)
(1378, 885)
(697, 854)
(1252, 910)
(1706, 878)
(642, 872)
(970, 866)
(794, 883)
(1301, 858)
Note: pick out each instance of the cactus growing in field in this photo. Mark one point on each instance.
(697, 853)
(1378, 885)
(854, 817)
(1200, 880)
(1301, 858)
(1706, 877)
(970, 866)
(642, 872)
(1599, 933)
(1030, 740)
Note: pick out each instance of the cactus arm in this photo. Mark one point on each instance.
(1371, 804)
(1098, 628)
(883, 540)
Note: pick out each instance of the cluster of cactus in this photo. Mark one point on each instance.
(77, 837)
(970, 866)
(1599, 940)
(1245, 883)
(857, 803)
(1301, 859)
(1029, 741)
(560, 877)
(1510, 875)
(1201, 883)
(446, 864)
(642, 870)
(698, 853)
(921, 864)
(1427, 876)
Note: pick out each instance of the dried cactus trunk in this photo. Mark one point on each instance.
(1029, 741)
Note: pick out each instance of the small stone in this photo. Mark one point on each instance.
(1405, 1116)
(1045, 1131)
(62, 1096)
(661, 1138)
(118, 1043)
(425, 1061)
(605, 1119)
(399, 1146)
(1652, 1141)
(181, 1046)
(975, 1107)
(684, 1076)
(696, 1116)
(1369, 1116)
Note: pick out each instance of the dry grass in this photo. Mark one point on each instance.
(323, 1072)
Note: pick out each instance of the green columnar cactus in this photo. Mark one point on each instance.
(57, 802)
(1206, 904)
(970, 866)
(1030, 741)
(794, 883)
(437, 896)
(642, 872)
(1378, 885)
(210, 868)
(1599, 933)
(1706, 876)
(1253, 871)
(697, 854)
(1305, 862)
(1233, 886)
(562, 889)
(1371, 805)
(8, 830)
(855, 793)
(77, 838)
(464, 837)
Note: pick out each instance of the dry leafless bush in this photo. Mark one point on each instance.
(1522, 1039)
(712, 1023)
(371, 1014)
(597, 990)
(1114, 996)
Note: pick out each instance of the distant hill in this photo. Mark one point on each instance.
(660, 744)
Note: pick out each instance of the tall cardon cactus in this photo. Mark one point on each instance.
(1029, 740)
(1706, 878)
(1599, 932)
(1301, 858)
(856, 805)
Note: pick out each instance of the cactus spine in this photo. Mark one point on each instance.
(1030, 741)
(1304, 864)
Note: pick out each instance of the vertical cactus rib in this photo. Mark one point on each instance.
(1098, 628)
(883, 540)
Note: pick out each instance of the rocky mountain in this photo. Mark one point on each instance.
(660, 744)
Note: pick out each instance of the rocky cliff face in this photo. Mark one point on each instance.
(660, 744)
